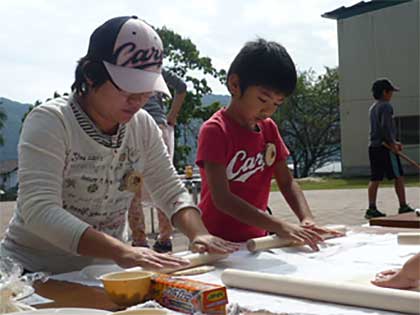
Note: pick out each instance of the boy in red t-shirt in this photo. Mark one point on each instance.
(240, 149)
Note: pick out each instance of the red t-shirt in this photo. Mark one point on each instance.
(241, 151)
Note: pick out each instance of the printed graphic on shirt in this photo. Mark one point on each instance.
(132, 181)
(242, 167)
(270, 154)
(92, 187)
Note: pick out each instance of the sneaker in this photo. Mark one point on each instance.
(405, 209)
(374, 213)
(162, 246)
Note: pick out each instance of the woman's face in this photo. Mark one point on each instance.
(109, 106)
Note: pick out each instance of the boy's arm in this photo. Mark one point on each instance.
(229, 203)
(292, 193)
(386, 125)
(295, 197)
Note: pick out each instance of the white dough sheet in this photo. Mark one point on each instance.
(355, 258)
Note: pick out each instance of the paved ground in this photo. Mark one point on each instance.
(329, 207)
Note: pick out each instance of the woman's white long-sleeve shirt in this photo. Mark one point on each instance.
(71, 176)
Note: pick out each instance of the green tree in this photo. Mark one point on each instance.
(183, 58)
(3, 118)
(309, 121)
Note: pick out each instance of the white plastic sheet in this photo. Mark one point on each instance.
(355, 258)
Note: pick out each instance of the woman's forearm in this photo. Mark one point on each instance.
(189, 222)
(100, 245)
(246, 213)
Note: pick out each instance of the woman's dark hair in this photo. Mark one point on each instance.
(267, 64)
(87, 69)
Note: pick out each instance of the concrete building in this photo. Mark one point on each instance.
(378, 39)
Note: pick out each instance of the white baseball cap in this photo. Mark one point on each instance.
(132, 53)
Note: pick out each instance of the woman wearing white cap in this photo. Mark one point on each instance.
(82, 158)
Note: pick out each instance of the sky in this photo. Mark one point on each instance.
(41, 40)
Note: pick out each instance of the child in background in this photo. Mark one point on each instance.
(155, 106)
(240, 149)
(384, 161)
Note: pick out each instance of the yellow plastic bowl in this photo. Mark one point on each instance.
(127, 287)
(143, 311)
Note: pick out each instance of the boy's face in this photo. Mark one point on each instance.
(258, 103)
(387, 95)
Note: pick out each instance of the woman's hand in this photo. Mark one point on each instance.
(213, 244)
(148, 259)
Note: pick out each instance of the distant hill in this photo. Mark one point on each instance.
(211, 98)
(14, 111)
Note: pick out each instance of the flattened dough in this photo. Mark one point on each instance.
(194, 271)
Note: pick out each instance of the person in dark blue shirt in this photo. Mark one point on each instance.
(384, 161)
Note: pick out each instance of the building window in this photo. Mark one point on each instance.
(408, 129)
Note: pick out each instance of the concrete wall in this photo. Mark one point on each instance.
(379, 43)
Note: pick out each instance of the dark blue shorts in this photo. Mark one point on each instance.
(384, 162)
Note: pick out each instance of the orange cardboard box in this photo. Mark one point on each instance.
(189, 296)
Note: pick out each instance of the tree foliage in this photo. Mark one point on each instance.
(183, 58)
(309, 121)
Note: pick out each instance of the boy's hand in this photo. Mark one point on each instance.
(302, 234)
(213, 244)
(310, 224)
(396, 147)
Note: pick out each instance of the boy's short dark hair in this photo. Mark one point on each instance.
(264, 63)
(381, 85)
(95, 71)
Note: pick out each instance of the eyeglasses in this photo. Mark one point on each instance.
(133, 96)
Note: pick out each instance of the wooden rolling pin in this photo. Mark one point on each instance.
(409, 238)
(273, 241)
(342, 293)
(402, 155)
(197, 259)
